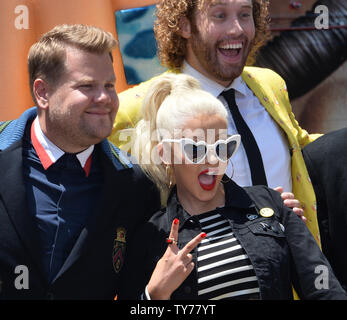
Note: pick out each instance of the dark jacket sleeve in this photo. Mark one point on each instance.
(326, 160)
(310, 153)
(312, 275)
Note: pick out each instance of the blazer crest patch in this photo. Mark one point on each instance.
(119, 249)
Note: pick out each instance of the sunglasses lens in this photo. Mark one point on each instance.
(194, 152)
(225, 150)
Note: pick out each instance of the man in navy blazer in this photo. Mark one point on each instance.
(69, 200)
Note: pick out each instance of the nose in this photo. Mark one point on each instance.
(211, 157)
(102, 96)
(234, 27)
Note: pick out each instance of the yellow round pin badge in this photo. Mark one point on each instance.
(266, 212)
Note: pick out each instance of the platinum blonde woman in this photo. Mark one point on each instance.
(214, 239)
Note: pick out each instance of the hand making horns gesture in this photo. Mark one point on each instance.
(173, 267)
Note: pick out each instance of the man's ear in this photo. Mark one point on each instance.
(185, 28)
(41, 93)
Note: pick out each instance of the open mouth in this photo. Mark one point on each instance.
(231, 50)
(207, 179)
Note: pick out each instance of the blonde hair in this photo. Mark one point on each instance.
(171, 101)
(46, 57)
(172, 46)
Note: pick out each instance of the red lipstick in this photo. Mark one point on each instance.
(207, 182)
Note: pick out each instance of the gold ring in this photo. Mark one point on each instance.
(171, 241)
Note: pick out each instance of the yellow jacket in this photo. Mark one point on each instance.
(271, 91)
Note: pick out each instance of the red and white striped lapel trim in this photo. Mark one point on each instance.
(49, 153)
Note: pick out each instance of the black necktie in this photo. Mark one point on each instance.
(253, 154)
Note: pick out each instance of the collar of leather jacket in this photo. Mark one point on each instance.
(235, 197)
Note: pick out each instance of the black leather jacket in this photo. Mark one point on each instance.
(280, 247)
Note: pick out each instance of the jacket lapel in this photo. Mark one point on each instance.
(13, 194)
(269, 97)
(114, 188)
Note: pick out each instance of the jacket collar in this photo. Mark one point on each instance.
(49, 153)
(235, 197)
(270, 94)
(14, 131)
(212, 86)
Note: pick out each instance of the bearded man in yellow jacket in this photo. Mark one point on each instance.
(213, 41)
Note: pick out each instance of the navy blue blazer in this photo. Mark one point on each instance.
(93, 268)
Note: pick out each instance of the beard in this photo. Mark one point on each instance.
(70, 129)
(207, 56)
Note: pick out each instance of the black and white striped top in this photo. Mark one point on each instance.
(224, 269)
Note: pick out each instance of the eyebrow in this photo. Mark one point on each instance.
(113, 80)
(91, 80)
(221, 3)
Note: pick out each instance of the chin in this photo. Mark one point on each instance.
(230, 71)
(95, 139)
(235, 71)
(100, 133)
(206, 196)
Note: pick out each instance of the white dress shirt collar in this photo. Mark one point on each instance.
(212, 86)
(49, 153)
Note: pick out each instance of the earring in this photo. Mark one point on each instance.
(232, 165)
(168, 170)
(232, 173)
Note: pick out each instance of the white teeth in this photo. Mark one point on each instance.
(211, 172)
(232, 46)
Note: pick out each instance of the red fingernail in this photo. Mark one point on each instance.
(176, 221)
(203, 235)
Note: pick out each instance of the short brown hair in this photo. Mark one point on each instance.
(172, 47)
(47, 56)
